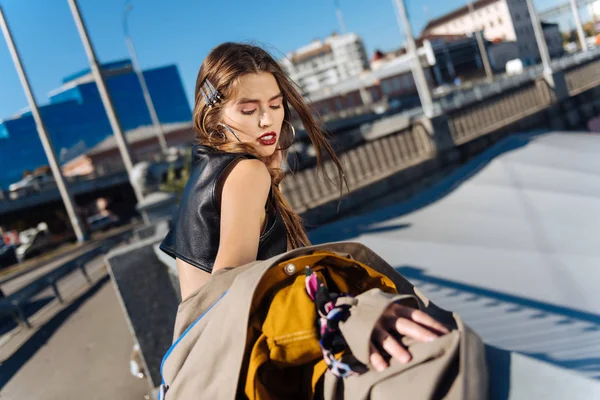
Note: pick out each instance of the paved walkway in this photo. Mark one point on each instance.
(76, 351)
(509, 241)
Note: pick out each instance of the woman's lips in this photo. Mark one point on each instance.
(268, 139)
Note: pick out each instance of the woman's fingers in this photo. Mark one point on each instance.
(421, 318)
(413, 330)
(387, 342)
(395, 349)
(376, 359)
(406, 321)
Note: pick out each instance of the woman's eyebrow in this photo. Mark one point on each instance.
(245, 100)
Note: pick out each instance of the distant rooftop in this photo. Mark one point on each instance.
(138, 134)
(318, 47)
(459, 12)
(124, 64)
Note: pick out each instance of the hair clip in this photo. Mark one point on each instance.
(211, 95)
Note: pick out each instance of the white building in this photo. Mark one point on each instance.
(594, 10)
(500, 20)
(325, 63)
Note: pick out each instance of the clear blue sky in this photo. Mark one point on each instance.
(183, 32)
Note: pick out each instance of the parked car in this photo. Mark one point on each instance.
(33, 242)
(8, 255)
(29, 184)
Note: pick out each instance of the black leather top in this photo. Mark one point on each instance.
(194, 237)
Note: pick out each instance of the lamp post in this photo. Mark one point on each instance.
(340, 17)
(540, 39)
(105, 96)
(417, 68)
(63, 189)
(480, 43)
(140, 75)
(580, 32)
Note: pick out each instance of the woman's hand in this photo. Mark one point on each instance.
(405, 321)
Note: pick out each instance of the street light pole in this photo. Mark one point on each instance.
(65, 194)
(365, 96)
(340, 17)
(140, 75)
(540, 39)
(482, 50)
(105, 96)
(417, 68)
(580, 32)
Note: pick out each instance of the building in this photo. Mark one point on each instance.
(389, 83)
(554, 39)
(326, 62)
(105, 158)
(76, 120)
(594, 10)
(500, 21)
(459, 56)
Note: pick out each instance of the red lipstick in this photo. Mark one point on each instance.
(268, 139)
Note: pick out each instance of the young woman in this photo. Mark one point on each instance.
(232, 211)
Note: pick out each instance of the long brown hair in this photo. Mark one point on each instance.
(223, 66)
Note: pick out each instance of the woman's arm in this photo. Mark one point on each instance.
(243, 200)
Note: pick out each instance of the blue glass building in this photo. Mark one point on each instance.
(76, 120)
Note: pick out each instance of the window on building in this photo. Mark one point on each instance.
(499, 21)
(491, 24)
(350, 100)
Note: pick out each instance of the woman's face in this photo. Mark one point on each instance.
(256, 112)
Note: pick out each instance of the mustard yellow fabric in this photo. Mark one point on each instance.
(283, 359)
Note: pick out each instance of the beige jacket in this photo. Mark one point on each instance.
(211, 326)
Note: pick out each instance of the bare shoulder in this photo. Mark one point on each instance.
(245, 193)
(250, 178)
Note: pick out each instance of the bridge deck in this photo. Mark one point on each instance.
(510, 241)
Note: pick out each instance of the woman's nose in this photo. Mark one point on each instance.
(266, 119)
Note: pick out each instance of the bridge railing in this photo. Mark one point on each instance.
(16, 303)
(503, 109)
(582, 77)
(476, 93)
(362, 165)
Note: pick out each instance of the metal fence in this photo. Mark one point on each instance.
(363, 165)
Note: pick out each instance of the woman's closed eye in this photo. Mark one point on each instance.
(250, 112)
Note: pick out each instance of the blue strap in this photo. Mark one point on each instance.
(182, 336)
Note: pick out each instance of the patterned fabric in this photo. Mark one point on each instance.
(330, 314)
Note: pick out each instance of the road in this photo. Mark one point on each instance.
(19, 275)
(79, 350)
